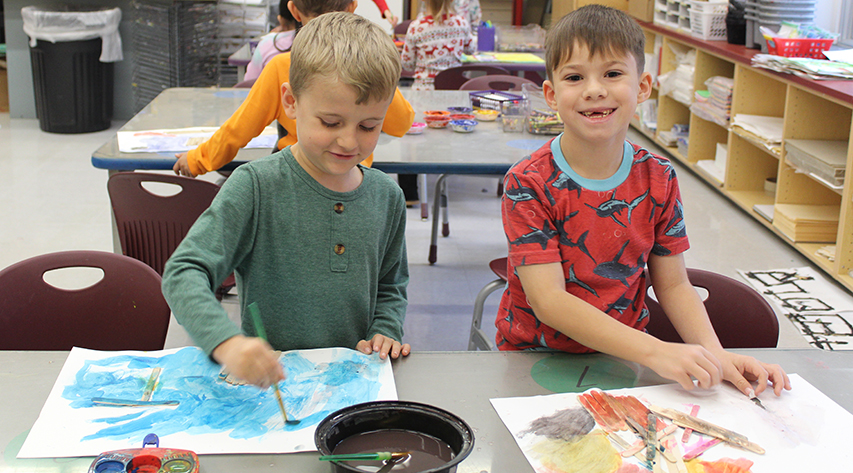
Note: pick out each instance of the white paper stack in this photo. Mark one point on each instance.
(824, 159)
(766, 130)
(807, 223)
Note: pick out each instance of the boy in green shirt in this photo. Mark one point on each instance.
(317, 240)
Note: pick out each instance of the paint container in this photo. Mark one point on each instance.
(437, 439)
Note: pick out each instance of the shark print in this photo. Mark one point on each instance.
(614, 206)
(564, 182)
(519, 193)
(542, 236)
(655, 205)
(573, 279)
(580, 244)
(675, 227)
(665, 163)
(530, 313)
(616, 270)
(620, 305)
(608, 237)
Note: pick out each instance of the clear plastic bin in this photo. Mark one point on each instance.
(520, 38)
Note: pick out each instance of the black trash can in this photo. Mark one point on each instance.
(73, 87)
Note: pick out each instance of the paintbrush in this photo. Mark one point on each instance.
(147, 392)
(707, 428)
(754, 398)
(377, 456)
(255, 313)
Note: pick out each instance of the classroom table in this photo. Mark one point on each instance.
(460, 382)
(486, 151)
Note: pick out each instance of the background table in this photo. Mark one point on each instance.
(486, 151)
(461, 382)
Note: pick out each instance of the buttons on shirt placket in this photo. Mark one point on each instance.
(339, 257)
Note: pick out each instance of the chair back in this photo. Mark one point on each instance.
(151, 226)
(741, 317)
(452, 78)
(245, 84)
(496, 82)
(125, 310)
(401, 29)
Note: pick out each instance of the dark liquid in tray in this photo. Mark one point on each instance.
(426, 452)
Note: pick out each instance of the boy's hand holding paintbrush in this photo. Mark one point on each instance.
(250, 359)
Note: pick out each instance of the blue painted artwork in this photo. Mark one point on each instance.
(191, 401)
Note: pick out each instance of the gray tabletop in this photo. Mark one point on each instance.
(487, 150)
(460, 382)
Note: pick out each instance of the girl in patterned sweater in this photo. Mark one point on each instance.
(436, 41)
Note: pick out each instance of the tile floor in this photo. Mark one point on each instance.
(55, 200)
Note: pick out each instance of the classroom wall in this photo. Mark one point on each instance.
(21, 99)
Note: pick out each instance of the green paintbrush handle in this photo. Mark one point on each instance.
(378, 456)
(256, 319)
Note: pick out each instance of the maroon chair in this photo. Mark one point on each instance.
(496, 82)
(453, 78)
(478, 338)
(124, 310)
(151, 226)
(740, 315)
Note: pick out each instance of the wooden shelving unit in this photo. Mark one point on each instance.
(811, 110)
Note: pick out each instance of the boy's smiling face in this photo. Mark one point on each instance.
(596, 96)
(334, 133)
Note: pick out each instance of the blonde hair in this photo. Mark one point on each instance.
(349, 48)
(436, 8)
(602, 29)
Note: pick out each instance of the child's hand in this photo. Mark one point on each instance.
(250, 359)
(383, 345)
(390, 17)
(182, 166)
(682, 363)
(740, 370)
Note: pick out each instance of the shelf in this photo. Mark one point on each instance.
(810, 110)
(752, 139)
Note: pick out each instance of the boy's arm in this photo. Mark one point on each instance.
(544, 286)
(205, 257)
(260, 108)
(685, 310)
(400, 115)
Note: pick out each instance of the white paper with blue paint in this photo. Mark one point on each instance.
(212, 416)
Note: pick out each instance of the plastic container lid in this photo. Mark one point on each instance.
(67, 23)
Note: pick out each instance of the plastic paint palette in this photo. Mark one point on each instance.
(146, 459)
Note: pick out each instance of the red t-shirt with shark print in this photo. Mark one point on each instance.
(601, 231)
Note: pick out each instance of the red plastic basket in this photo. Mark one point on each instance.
(798, 47)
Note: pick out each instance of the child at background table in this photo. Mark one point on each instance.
(588, 211)
(435, 41)
(273, 43)
(263, 105)
(314, 238)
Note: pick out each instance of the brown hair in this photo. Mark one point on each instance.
(602, 29)
(347, 47)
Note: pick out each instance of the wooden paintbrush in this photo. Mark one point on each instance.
(259, 328)
(707, 428)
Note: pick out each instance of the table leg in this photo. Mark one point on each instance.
(114, 226)
(433, 243)
(445, 218)
(423, 196)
